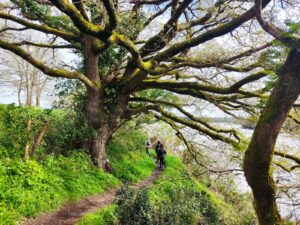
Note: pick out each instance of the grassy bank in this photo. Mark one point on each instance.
(30, 187)
(175, 198)
(57, 173)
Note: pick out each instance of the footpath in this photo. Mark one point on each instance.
(72, 212)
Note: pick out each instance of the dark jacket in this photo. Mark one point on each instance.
(161, 153)
(157, 148)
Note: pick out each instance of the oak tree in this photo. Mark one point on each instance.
(160, 60)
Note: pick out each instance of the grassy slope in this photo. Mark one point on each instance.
(28, 188)
(35, 186)
(182, 199)
(130, 166)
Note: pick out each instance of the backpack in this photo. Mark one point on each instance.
(157, 147)
(161, 153)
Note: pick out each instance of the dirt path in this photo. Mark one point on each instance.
(71, 213)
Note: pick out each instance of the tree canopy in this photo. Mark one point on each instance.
(129, 61)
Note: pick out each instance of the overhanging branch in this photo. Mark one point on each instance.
(68, 36)
(45, 69)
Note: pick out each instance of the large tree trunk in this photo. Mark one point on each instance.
(93, 102)
(258, 158)
(103, 116)
(98, 146)
(104, 119)
(108, 122)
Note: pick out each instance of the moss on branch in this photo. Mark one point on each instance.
(68, 36)
(169, 84)
(187, 114)
(80, 22)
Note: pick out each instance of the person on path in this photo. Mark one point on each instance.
(161, 156)
(156, 150)
(148, 146)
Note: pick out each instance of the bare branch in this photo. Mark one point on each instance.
(287, 39)
(288, 156)
(45, 69)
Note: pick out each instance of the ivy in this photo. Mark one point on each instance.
(43, 13)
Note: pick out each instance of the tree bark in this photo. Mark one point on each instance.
(100, 116)
(27, 144)
(258, 157)
(38, 91)
(96, 117)
(38, 139)
(93, 102)
(98, 146)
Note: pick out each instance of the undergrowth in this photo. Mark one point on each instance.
(175, 198)
(30, 187)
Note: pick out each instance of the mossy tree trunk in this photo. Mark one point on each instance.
(103, 111)
(107, 123)
(258, 158)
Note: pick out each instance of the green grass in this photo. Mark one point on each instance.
(176, 186)
(130, 166)
(105, 216)
(30, 187)
(174, 198)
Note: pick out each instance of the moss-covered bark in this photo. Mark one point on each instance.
(258, 158)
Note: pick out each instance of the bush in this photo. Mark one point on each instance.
(14, 132)
(66, 131)
(133, 207)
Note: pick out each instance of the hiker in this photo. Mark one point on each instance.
(107, 166)
(156, 150)
(148, 146)
(161, 156)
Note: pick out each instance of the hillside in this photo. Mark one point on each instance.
(174, 198)
(56, 175)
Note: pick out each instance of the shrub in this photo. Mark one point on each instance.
(133, 207)
(14, 132)
(66, 132)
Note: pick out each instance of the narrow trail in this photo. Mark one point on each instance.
(71, 213)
